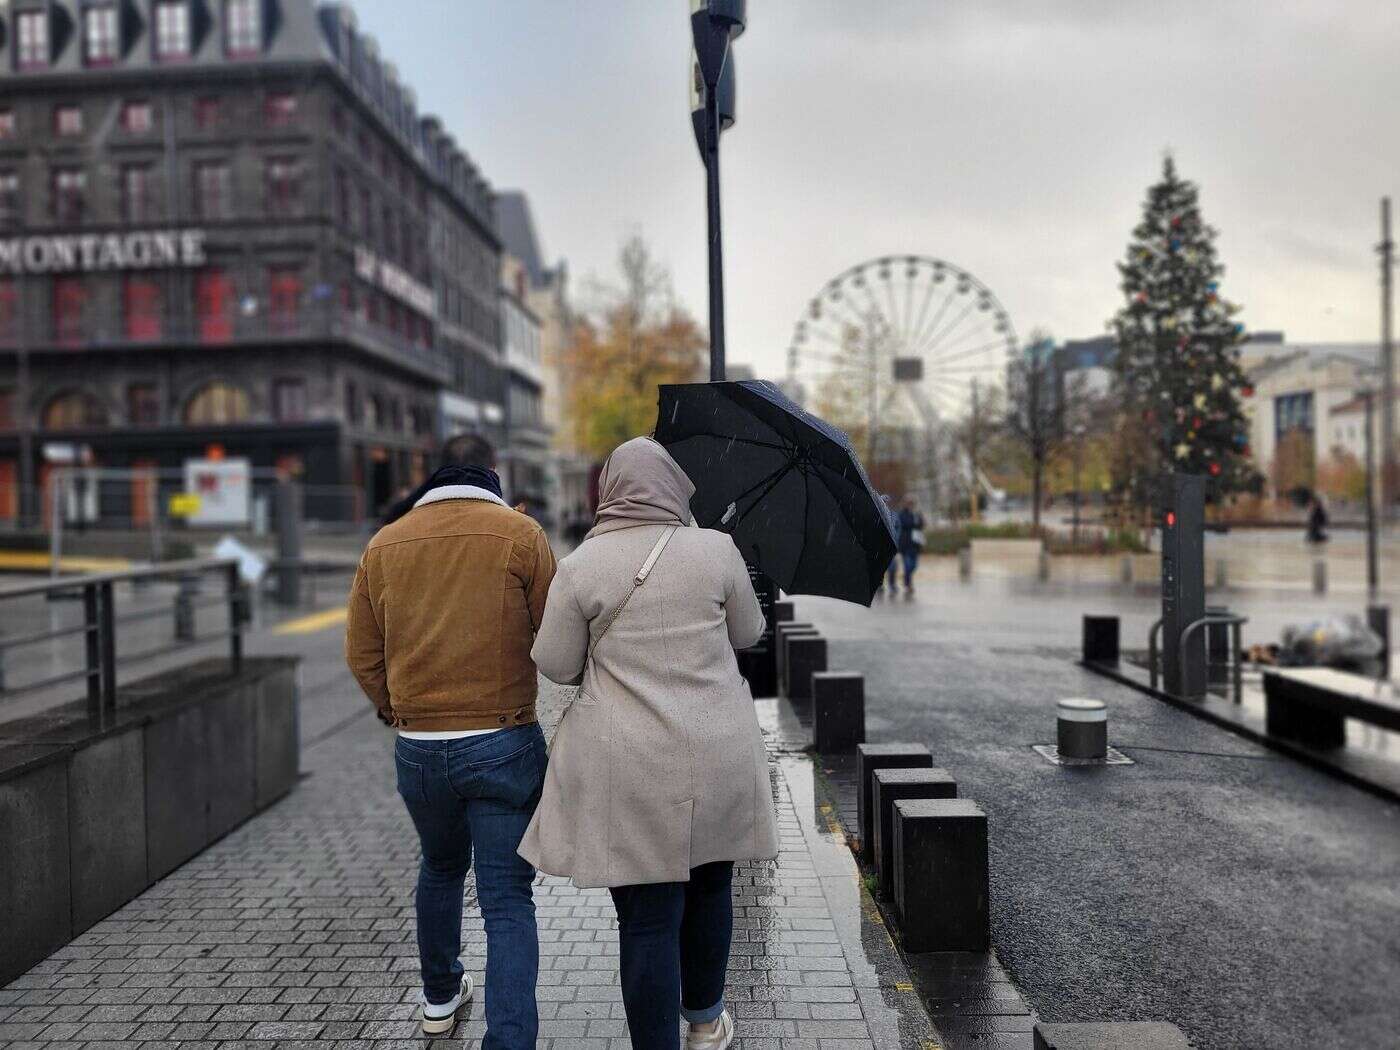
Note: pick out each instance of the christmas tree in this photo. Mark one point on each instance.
(1179, 375)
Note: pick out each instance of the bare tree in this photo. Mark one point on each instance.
(1035, 411)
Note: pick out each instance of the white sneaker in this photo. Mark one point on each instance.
(719, 1039)
(441, 1018)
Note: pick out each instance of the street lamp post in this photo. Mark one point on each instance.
(1372, 569)
(714, 24)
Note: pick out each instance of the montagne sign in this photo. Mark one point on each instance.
(91, 252)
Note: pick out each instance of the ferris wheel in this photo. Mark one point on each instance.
(899, 342)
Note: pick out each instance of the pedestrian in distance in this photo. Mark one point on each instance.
(911, 541)
(1317, 520)
(658, 778)
(892, 573)
(443, 612)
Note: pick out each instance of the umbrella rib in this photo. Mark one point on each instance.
(771, 480)
(742, 441)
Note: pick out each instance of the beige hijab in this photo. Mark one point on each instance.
(641, 485)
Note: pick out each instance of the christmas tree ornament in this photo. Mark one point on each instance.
(1199, 401)
(1183, 450)
(1215, 469)
(1217, 381)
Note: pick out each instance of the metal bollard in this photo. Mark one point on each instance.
(1081, 730)
(1043, 565)
(184, 608)
(965, 563)
(1100, 639)
(1222, 578)
(1377, 618)
(1319, 576)
(1125, 569)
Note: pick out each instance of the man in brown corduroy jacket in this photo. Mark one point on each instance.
(442, 616)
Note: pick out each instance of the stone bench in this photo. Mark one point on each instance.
(1310, 705)
(870, 757)
(890, 786)
(1120, 1035)
(941, 886)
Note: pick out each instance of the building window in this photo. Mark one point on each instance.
(32, 29)
(242, 27)
(354, 407)
(142, 405)
(101, 38)
(69, 191)
(172, 30)
(142, 304)
(137, 198)
(68, 120)
(9, 311)
(208, 112)
(73, 410)
(69, 295)
(283, 186)
(289, 400)
(280, 109)
(7, 412)
(137, 118)
(10, 204)
(217, 403)
(283, 297)
(364, 219)
(391, 234)
(338, 118)
(342, 198)
(213, 190)
(1293, 412)
(213, 306)
(7, 123)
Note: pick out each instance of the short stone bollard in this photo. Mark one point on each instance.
(1117, 1035)
(1100, 639)
(1378, 619)
(965, 563)
(783, 612)
(805, 657)
(870, 757)
(184, 607)
(1319, 576)
(785, 654)
(1125, 569)
(1081, 730)
(780, 633)
(940, 875)
(891, 786)
(1222, 574)
(1043, 565)
(838, 712)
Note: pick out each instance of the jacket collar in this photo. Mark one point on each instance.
(446, 492)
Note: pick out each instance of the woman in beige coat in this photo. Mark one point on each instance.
(658, 778)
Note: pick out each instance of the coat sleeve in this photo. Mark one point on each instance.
(743, 616)
(561, 645)
(364, 645)
(539, 574)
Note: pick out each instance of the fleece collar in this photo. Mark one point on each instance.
(445, 492)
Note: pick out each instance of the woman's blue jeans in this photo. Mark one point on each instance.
(477, 794)
(675, 952)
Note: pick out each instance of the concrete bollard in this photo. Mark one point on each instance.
(1378, 619)
(891, 786)
(965, 563)
(783, 612)
(1222, 576)
(1125, 569)
(838, 712)
(785, 654)
(1042, 567)
(1117, 1035)
(941, 886)
(1319, 576)
(780, 632)
(870, 757)
(1081, 730)
(184, 608)
(806, 656)
(1100, 639)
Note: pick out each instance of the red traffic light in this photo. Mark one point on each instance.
(1171, 518)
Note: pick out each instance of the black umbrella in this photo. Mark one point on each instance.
(787, 485)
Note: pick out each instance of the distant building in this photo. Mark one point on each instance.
(226, 224)
(526, 462)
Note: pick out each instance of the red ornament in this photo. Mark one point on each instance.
(1215, 470)
(1196, 423)
(1246, 391)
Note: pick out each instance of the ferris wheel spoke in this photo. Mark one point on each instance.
(895, 323)
(923, 310)
(950, 329)
(979, 328)
(962, 355)
(925, 334)
(908, 301)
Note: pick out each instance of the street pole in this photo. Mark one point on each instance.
(712, 129)
(1387, 250)
(974, 439)
(1372, 570)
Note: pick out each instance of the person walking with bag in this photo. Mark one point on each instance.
(658, 777)
(442, 615)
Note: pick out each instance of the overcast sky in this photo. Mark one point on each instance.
(1014, 138)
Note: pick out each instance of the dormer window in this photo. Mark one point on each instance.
(32, 29)
(242, 28)
(101, 39)
(172, 30)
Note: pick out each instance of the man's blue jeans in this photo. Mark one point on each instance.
(674, 952)
(478, 794)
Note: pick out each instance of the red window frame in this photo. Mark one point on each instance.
(32, 40)
(283, 186)
(69, 195)
(243, 28)
(280, 109)
(137, 200)
(213, 306)
(67, 119)
(9, 310)
(69, 299)
(7, 123)
(213, 189)
(143, 308)
(171, 29)
(101, 35)
(284, 291)
(138, 117)
(208, 112)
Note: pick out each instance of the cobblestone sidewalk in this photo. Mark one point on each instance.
(297, 929)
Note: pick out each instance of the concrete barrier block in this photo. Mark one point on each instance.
(1121, 1035)
(780, 633)
(36, 916)
(890, 786)
(1101, 639)
(230, 726)
(940, 875)
(838, 712)
(783, 612)
(806, 657)
(870, 757)
(106, 825)
(278, 743)
(177, 790)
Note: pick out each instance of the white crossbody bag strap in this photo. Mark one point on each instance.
(637, 581)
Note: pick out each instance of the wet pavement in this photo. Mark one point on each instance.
(297, 928)
(1214, 884)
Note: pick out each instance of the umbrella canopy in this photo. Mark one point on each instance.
(786, 485)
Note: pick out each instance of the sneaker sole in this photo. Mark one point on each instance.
(439, 1026)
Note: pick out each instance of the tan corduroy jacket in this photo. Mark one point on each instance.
(444, 610)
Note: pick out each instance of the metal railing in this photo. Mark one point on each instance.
(98, 661)
(1234, 657)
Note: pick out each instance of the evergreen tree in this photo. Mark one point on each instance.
(1179, 377)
